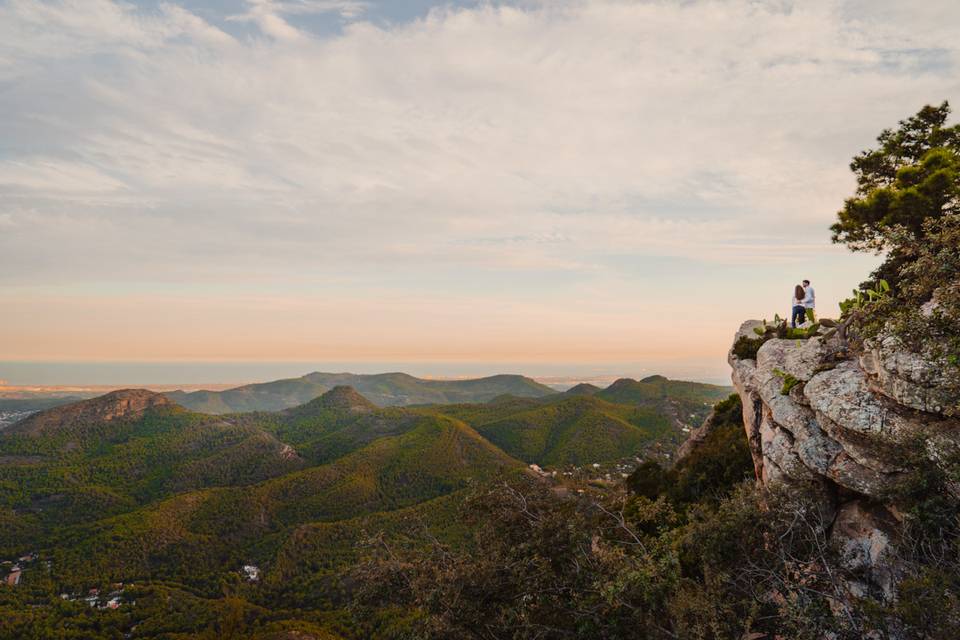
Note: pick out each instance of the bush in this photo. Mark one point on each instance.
(746, 348)
(718, 464)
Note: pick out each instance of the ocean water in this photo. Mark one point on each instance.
(229, 372)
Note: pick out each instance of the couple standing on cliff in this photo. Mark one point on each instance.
(803, 303)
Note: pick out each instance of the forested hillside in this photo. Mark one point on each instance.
(386, 389)
(131, 488)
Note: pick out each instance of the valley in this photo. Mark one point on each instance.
(133, 488)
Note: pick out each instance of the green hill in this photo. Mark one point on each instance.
(587, 424)
(655, 388)
(336, 423)
(387, 389)
(684, 402)
(583, 389)
(132, 463)
(565, 430)
(196, 536)
(102, 456)
(131, 487)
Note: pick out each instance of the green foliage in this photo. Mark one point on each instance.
(929, 276)
(801, 333)
(908, 205)
(177, 501)
(789, 381)
(601, 425)
(647, 480)
(911, 177)
(746, 348)
(577, 430)
(654, 390)
(710, 470)
(922, 314)
(779, 329)
(693, 551)
(862, 299)
(543, 567)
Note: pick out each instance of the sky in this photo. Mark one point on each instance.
(456, 187)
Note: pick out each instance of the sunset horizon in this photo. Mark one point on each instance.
(479, 320)
(419, 208)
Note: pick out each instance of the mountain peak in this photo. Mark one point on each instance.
(346, 397)
(116, 405)
(622, 382)
(655, 378)
(582, 389)
(340, 398)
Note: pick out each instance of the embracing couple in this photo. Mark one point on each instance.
(804, 301)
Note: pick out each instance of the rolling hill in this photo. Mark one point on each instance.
(387, 389)
(653, 389)
(133, 487)
(164, 493)
(587, 424)
(110, 454)
(565, 430)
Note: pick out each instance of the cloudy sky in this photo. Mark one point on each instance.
(560, 182)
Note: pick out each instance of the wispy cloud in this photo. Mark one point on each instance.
(270, 15)
(531, 145)
(344, 8)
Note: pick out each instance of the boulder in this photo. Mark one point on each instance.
(908, 378)
(843, 395)
(799, 358)
(865, 534)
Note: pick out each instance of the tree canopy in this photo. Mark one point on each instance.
(911, 177)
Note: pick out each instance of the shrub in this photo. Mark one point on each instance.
(719, 463)
(647, 480)
(746, 348)
(789, 381)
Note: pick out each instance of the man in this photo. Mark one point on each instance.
(809, 300)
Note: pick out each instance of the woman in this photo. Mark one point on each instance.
(799, 311)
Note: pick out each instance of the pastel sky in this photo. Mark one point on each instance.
(557, 181)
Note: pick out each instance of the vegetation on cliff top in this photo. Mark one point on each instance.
(907, 205)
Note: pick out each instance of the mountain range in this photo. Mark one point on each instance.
(132, 486)
(385, 389)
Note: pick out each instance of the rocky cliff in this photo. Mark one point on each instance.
(116, 405)
(850, 426)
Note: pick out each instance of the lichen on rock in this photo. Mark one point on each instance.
(843, 427)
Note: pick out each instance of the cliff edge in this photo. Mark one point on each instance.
(852, 427)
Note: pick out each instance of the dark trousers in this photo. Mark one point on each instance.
(799, 315)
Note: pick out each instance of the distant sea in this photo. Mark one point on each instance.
(230, 372)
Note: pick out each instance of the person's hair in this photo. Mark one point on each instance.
(806, 282)
(798, 292)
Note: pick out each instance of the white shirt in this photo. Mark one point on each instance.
(810, 301)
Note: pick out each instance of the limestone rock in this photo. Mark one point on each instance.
(843, 427)
(866, 534)
(697, 436)
(844, 396)
(746, 329)
(799, 358)
(780, 459)
(908, 378)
